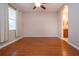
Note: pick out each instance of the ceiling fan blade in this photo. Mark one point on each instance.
(34, 7)
(43, 7)
(43, 3)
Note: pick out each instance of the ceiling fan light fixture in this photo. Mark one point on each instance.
(37, 4)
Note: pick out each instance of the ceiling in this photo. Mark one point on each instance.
(28, 7)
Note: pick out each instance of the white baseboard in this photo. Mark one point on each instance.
(70, 43)
(73, 45)
(40, 36)
(8, 43)
(60, 38)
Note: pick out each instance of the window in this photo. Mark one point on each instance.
(12, 18)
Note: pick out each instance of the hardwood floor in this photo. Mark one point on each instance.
(42, 46)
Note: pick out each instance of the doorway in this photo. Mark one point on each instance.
(65, 22)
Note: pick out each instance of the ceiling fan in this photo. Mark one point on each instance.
(39, 5)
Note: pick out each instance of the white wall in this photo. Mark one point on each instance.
(19, 22)
(60, 22)
(74, 24)
(40, 24)
(60, 31)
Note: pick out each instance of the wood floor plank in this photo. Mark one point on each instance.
(39, 46)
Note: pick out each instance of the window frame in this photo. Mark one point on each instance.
(10, 6)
